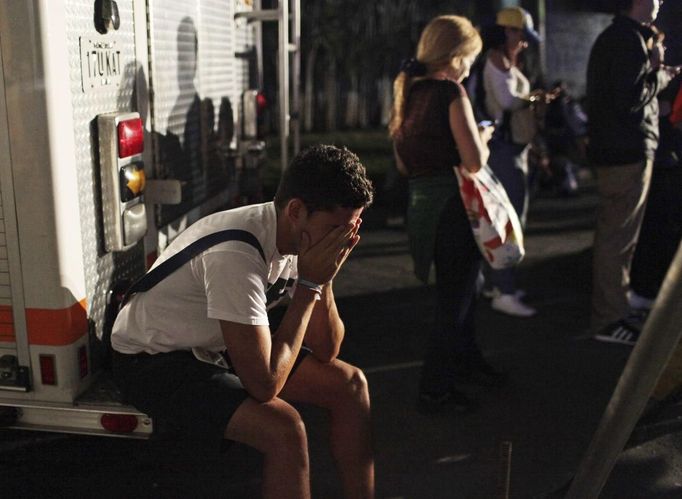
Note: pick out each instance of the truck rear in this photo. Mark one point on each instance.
(121, 123)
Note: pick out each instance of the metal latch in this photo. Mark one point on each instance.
(13, 376)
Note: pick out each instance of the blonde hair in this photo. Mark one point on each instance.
(444, 38)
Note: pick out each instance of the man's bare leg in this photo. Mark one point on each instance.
(342, 390)
(275, 429)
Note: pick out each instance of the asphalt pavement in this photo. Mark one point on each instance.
(525, 441)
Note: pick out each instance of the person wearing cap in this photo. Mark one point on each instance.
(623, 81)
(507, 90)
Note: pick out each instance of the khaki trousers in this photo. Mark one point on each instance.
(623, 192)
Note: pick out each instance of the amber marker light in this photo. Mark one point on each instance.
(132, 180)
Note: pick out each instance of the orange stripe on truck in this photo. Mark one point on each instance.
(53, 327)
(7, 333)
(6, 315)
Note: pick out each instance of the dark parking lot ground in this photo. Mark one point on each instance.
(560, 383)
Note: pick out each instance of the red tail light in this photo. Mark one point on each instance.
(119, 423)
(48, 370)
(261, 102)
(130, 138)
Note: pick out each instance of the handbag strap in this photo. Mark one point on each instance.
(166, 268)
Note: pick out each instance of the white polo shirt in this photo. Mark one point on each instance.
(229, 281)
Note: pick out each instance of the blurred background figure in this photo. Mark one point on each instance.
(661, 230)
(565, 135)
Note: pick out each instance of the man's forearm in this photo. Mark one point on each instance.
(337, 329)
(263, 359)
(326, 329)
(287, 340)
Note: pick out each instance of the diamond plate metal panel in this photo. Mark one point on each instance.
(101, 269)
(197, 83)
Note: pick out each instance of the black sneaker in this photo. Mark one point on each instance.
(475, 369)
(622, 332)
(429, 403)
(637, 317)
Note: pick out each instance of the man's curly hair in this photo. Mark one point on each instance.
(325, 177)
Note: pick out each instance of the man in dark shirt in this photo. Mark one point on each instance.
(622, 84)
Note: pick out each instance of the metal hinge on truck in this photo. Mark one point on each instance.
(13, 376)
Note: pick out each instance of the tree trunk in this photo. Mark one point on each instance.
(308, 101)
(363, 104)
(385, 98)
(330, 91)
(351, 119)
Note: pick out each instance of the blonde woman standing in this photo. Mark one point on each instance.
(434, 130)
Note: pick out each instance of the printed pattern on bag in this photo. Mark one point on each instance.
(494, 222)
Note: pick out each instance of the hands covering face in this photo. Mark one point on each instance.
(319, 262)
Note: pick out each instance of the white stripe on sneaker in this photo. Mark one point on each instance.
(621, 334)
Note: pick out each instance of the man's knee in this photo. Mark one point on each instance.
(287, 428)
(358, 383)
(352, 386)
(271, 427)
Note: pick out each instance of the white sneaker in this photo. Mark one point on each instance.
(511, 305)
(638, 302)
(495, 292)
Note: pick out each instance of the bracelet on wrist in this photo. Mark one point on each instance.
(317, 288)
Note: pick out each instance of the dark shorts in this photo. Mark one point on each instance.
(188, 399)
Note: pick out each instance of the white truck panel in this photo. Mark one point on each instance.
(46, 200)
(197, 85)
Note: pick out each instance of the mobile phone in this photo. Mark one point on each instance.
(674, 70)
(485, 123)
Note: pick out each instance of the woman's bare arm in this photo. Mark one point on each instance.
(471, 143)
(400, 166)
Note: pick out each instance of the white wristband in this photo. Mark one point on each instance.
(317, 288)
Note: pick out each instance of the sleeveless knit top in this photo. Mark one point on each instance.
(424, 141)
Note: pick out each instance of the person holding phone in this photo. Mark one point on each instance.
(508, 92)
(433, 130)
